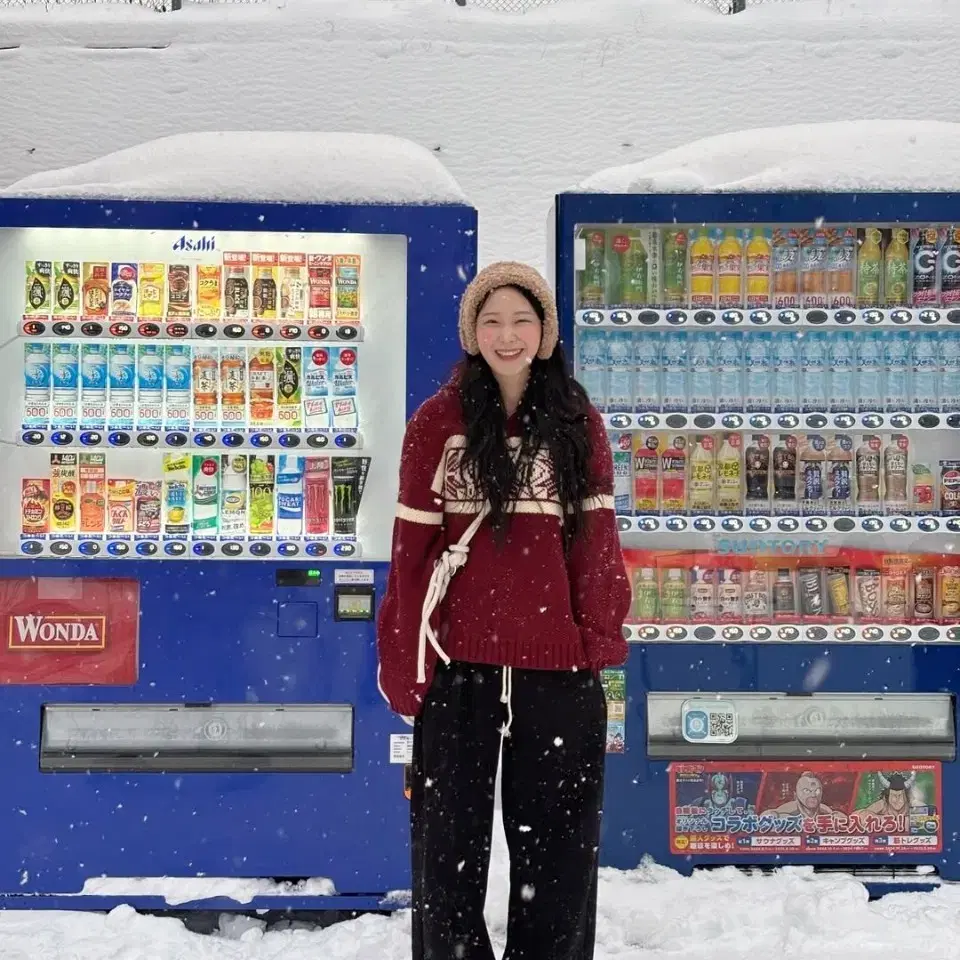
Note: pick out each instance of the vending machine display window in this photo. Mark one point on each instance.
(201, 394)
(782, 400)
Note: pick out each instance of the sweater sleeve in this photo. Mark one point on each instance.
(418, 540)
(599, 586)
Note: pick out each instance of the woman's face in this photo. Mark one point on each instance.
(508, 332)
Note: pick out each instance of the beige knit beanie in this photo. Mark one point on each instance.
(508, 274)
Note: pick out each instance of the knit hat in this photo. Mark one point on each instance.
(508, 274)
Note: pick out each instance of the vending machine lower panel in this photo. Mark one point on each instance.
(167, 722)
(761, 755)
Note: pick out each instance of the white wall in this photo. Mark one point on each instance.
(518, 107)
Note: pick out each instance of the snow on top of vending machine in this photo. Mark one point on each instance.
(861, 155)
(284, 167)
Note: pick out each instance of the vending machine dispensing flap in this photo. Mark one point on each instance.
(825, 726)
(238, 738)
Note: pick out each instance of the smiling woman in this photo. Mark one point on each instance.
(510, 463)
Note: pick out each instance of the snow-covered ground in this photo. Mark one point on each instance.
(517, 107)
(646, 914)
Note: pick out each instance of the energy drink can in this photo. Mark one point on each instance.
(838, 591)
(811, 592)
(868, 594)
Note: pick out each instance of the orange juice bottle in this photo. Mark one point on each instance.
(730, 270)
(703, 270)
(758, 270)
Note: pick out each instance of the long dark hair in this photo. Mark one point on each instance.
(553, 413)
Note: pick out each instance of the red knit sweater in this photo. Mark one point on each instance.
(521, 604)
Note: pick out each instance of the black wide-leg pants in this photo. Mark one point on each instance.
(552, 790)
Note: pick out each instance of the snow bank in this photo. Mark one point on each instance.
(178, 890)
(851, 156)
(290, 167)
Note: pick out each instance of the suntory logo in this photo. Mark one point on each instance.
(68, 632)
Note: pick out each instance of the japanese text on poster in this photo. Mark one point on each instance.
(813, 808)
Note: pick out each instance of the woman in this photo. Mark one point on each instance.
(507, 473)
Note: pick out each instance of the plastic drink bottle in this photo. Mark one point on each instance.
(703, 386)
(758, 270)
(593, 364)
(868, 268)
(869, 372)
(703, 270)
(896, 355)
(634, 289)
(593, 278)
(757, 372)
(842, 355)
(785, 374)
(646, 356)
(620, 380)
(813, 373)
(926, 372)
(730, 271)
(729, 372)
(949, 371)
(896, 268)
(675, 379)
(674, 268)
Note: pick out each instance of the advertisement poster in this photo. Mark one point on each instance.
(758, 807)
(66, 630)
(614, 681)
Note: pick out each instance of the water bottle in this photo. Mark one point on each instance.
(730, 372)
(813, 373)
(757, 386)
(842, 367)
(675, 378)
(896, 357)
(621, 376)
(703, 382)
(786, 363)
(869, 371)
(646, 358)
(926, 372)
(949, 371)
(592, 365)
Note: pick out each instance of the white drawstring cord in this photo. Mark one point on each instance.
(450, 561)
(506, 696)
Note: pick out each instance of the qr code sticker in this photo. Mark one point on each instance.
(722, 725)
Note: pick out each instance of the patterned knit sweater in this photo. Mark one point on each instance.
(523, 603)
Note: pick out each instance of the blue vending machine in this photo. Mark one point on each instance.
(204, 405)
(780, 374)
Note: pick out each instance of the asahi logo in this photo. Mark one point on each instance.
(204, 244)
(69, 632)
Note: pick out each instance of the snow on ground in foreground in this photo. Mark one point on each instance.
(646, 914)
(917, 155)
(291, 167)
